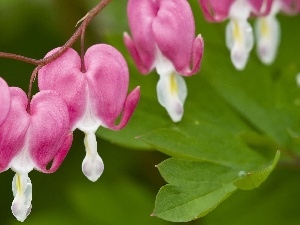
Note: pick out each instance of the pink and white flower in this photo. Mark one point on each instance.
(30, 138)
(268, 29)
(239, 33)
(95, 91)
(163, 37)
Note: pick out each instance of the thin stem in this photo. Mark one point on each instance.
(41, 62)
(82, 49)
(19, 58)
(32, 78)
(86, 20)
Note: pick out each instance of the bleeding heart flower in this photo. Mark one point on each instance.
(239, 34)
(31, 140)
(163, 37)
(95, 97)
(268, 29)
(4, 100)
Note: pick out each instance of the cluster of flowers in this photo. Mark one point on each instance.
(91, 91)
(163, 37)
(239, 33)
(74, 93)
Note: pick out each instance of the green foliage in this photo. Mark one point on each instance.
(234, 123)
(196, 188)
(233, 126)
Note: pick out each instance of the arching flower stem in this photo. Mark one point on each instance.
(32, 79)
(79, 32)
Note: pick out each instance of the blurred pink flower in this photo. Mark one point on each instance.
(163, 37)
(239, 34)
(95, 97)
(267, 29)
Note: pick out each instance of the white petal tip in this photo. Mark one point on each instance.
(298, 79)
(267, 31)
(239, 59)
(19, 212)
(171, 94)
(239, 40)
(92, 167)
(22, 190)
(265, 56)
(176, 113)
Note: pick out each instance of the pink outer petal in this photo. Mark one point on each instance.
(108, 77)
(13, 130)
(64, 76)
(49, 132)
(174, 33)
(5, 99)
(142, 45)
(260, 7)
(291, 7)
(59, 157)
(215, 10)
(129, 107)
(197, 54)
(143, 67)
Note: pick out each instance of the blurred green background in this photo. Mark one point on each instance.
(125, 193)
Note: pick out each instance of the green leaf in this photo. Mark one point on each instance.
(255, 179)
(218, 146)
(233, 122)
(195, 188)
(276, 202)
(176, 204)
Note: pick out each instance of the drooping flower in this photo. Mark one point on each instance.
(4, 101)
(31, 140)
(95, 97)
(239, 34)
(163, 37)
(268, 29)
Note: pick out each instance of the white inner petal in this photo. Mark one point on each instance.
(171, 93)
(22, 191)
(239, 40)
(298, 79)
(267, 31)
(22, 163)
(163, 66)
(92, 165)
(240, 9)
(88, 122)
(268, 36)
(171, 88)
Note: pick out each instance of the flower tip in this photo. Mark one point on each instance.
(198, 49)
(22, 190)
(129, 107)
(200, 38)
(19, 213)
(125, 35)
(92, 167)
(266, 56)
(136, 93)
(239, 59)
(298, 79)
(176, 114)
(135, 96)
